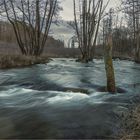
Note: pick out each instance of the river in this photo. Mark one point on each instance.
(34, 104)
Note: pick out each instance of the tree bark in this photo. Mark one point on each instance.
(111, 87)
(137, 54)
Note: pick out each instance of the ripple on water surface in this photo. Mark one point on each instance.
(35, 102)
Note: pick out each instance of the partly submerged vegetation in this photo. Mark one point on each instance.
(131, 124)
(19, 61)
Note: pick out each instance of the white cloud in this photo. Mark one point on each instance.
(67, 13)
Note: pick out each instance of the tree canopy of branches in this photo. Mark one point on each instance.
(132, 9)
(87, 17)
(31, 21)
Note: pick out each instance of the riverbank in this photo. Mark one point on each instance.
(19, 61)
(131, 124)
(8, 61)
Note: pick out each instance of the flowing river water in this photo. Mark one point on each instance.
(34, 104)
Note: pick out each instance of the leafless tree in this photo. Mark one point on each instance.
(31, 21)
(132, 9)
(87, 17)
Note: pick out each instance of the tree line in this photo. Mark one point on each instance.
(132, 10)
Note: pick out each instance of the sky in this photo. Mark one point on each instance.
(67, 13)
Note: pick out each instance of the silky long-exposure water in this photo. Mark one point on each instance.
(34, 102)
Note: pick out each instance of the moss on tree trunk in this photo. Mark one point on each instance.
(111, 86)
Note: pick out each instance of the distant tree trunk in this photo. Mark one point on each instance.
(111, 87)
(137, 53)
(37, 28)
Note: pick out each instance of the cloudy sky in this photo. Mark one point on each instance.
(67, 13)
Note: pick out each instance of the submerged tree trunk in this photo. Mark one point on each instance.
(111, 87)
(137, 53)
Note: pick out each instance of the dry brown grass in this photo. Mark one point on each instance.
(18, 61)
(131, 125)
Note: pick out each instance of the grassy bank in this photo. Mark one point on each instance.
(18, 61)
(131, 124)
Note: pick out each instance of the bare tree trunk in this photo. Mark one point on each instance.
(111, 87)
(37, 28)
(137, 53)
